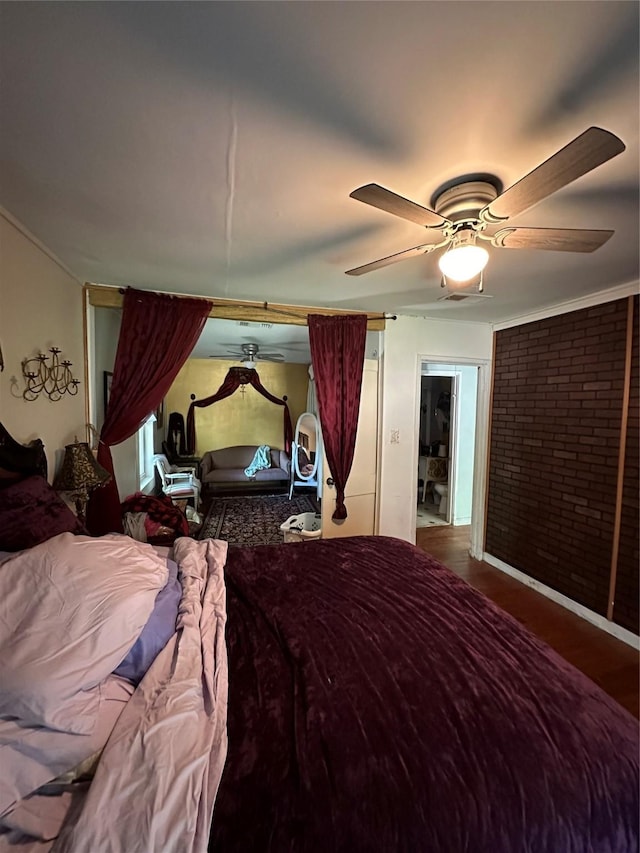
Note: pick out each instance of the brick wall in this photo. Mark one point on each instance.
(627, 595)
(555, 437)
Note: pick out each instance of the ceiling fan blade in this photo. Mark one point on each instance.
(390, 202)
(392, 259)
(592, 148)
(551, 239)
(270, 356)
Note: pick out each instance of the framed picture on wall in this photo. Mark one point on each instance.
(107, 376)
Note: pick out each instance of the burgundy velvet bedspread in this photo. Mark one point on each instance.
(379, 703)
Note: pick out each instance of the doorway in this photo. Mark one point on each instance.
(434, 458)
(447, 438)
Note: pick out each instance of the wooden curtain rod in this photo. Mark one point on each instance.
(103, 296)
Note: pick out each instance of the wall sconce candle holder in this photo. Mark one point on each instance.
(55, 379)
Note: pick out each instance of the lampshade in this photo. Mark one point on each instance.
(79, 470)
(464, 260)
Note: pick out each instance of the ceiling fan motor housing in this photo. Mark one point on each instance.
(465, 201)
(252, 353)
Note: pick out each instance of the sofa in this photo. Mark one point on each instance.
(224, 469)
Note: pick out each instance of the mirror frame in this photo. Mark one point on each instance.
(297, 473)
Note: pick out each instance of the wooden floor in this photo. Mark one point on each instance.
(612, 664)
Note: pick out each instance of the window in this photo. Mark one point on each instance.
(146, 435)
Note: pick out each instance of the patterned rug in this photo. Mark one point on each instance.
(252, 520)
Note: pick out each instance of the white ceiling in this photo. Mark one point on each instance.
(211, 147)
(224, 339)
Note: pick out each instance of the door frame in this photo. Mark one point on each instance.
(478, 503)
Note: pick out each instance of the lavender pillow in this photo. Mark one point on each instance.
(157, 632)
(31, 512)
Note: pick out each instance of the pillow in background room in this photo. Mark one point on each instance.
(31, 512)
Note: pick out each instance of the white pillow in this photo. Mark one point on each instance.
(70, 610)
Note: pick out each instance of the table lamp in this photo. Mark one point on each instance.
(79, 474)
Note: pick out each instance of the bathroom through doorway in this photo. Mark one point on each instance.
(447, 437)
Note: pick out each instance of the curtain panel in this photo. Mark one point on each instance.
(236, 377)
(337, 353)
(157, 335)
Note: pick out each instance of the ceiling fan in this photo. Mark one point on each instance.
(468, 209)
(250, 353)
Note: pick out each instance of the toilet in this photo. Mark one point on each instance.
(442, 490)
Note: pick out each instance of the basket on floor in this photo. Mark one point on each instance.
(302, 527)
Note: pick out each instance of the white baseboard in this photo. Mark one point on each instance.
(594, 618)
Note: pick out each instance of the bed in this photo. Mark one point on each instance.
(353, 694)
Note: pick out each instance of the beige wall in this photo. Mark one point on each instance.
(240, 419)
(40, 306)
(409, 340)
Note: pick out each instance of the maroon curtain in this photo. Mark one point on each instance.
(235, 377)
(337, 353)
(156, 336)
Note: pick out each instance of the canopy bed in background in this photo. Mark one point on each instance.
(375, 702)
(236, 378)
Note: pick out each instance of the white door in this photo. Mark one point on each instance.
(360, 495)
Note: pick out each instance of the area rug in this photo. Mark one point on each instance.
(252, 520)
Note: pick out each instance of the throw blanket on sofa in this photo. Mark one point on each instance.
(261, 459)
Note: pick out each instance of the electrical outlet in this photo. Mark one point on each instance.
(395, 436)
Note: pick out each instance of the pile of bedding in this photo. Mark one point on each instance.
(152, 518)
(112, 666)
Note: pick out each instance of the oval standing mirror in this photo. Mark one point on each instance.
(306, 442)
(305, 455)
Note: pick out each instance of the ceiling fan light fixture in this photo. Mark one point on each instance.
(464, 260)
(466, 205)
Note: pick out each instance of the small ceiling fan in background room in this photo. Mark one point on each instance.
(249, 354)
(468, 210)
